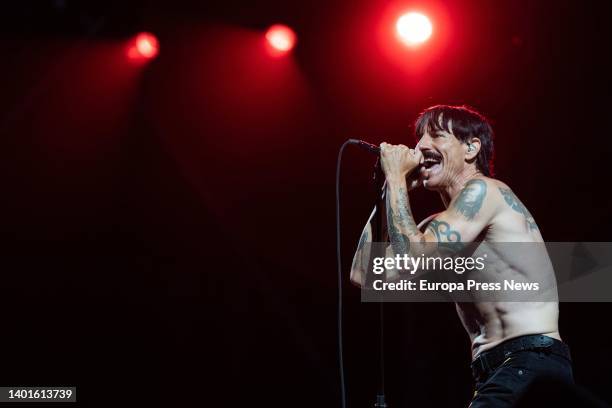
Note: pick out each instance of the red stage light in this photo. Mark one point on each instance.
(413, 28)
(144, 46)
(281, 38)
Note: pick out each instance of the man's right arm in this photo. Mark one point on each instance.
(361, 259)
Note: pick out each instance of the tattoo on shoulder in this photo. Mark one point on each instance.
(447, 237)
(513, 201)
(470, 199)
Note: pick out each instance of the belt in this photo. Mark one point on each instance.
(490, 360)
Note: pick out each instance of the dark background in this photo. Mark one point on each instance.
(168, 228)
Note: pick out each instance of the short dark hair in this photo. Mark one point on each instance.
(466, 123)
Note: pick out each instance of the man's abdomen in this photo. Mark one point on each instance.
(490, 323)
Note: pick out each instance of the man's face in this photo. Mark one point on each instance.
(443, 158)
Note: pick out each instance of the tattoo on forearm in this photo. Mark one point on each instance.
(405, 213)
(447, 237)
(470, 199)
(513, 201)
(400, 243)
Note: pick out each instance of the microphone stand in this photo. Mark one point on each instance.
(377, 237)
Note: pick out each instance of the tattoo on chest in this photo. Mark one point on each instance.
(470, 199)
(516, 204)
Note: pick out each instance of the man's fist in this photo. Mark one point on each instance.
(398, 161)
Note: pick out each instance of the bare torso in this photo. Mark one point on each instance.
(493, 321)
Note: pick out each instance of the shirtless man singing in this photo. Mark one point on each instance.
(512, 342)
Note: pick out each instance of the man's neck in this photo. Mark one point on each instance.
(448, 193)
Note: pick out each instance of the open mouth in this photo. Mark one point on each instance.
(432, 161)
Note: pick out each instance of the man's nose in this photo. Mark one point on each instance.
(424, 144)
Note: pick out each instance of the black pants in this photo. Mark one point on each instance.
(505, 384)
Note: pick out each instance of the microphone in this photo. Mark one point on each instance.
(365, 145)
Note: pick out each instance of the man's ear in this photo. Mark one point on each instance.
(472, 149)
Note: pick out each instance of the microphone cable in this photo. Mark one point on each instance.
(339, 265)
